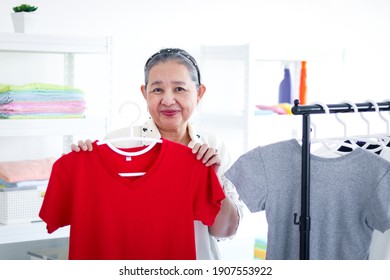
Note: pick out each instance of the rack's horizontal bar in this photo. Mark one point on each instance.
(338, 108)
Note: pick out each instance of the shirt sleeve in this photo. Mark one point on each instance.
(208, 194)
(56, 206)
(378, 216)
(248, 175)
(223, 152)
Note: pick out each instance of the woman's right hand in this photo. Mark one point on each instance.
(82, 146)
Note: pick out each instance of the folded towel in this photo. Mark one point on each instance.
(6, 185)
(35, 86)
(40, 100)
(32, 183)
(24, 170)
(41, 116)
(10, 96)
(23, 184)
(43, 107)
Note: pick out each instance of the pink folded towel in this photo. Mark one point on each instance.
(24, 170)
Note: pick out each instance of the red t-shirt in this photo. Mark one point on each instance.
(143, 217)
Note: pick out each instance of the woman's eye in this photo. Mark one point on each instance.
(180, 89)
(157, 90)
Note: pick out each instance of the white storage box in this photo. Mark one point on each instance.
(52, 253)
(21, 204)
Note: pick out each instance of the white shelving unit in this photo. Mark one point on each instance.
(233, 79)
(35, 231)
(49, 127)
(69, 47)
(23, 42)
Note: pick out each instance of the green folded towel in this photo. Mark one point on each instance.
(35, 86)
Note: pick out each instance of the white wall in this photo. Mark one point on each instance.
(139, 28)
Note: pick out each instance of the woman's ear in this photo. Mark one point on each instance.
(201, 91)
(143, 90)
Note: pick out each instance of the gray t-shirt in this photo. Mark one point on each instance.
(349, 197)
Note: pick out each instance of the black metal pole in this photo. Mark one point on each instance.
(338, 108)
(304, 219)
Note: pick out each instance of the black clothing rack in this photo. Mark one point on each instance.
(306, 110)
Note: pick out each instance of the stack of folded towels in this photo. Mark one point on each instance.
(39, 100)
(25, 173)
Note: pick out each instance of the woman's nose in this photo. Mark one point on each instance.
(168, 99)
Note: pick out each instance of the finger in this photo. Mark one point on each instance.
(82, 145)
(217, 165)
(208, 155)
(88, 142)
(202, 152)
(214, 160)
(196, 147)
(75, 148)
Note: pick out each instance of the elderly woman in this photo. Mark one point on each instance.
(172, 91)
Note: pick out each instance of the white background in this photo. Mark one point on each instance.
(140, 28)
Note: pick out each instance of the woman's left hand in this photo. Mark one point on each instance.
(208, 155)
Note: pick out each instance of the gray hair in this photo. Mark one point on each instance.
(178, 55)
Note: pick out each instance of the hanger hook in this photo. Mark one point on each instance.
(324, 107)
(385, 119)
(353, 105)
(374, 104)
(139, 112)
(327, 111)
(380, 114)
(356, 110)
(376, 110)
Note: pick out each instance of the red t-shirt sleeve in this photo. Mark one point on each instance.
(57, 203)
(208, 194)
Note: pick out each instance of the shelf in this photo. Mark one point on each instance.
(21, 42)
(41, 127)
(297, 54)
(29, 232)
(264, 53)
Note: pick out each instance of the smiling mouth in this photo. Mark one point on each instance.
(169, 112)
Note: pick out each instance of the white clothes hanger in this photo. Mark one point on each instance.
(368, 139)
(387, 138)
(129, 155)
(109, 142)
(355, 109)
(135, 139)
(386, 121)
(331, 145)
(327, 112)
(139, 113)
(312, 124)
(383, 139)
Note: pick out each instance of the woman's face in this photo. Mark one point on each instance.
(171, 95)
